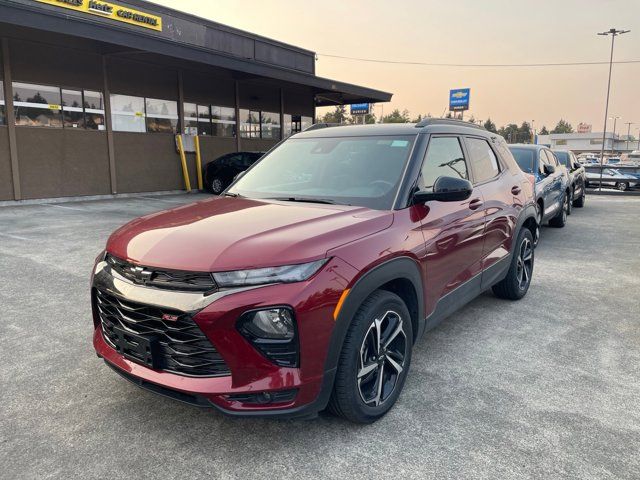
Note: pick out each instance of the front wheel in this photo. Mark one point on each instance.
(622, 186)
(516, 284)
(560, 220)
(579, 203)
(374, 360)
(217, 185)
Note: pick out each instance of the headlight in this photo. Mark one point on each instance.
(259, 276)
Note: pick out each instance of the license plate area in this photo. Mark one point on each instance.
(136, 347)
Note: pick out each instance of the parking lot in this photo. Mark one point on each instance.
(542, 388)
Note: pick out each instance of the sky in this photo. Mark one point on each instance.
(462, 32)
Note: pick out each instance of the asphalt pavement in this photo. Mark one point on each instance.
(547, 387)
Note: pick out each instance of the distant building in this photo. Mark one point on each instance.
(587, 142)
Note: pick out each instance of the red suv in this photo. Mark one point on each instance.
(306, 285)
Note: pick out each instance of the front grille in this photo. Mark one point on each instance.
(175, 343)
(163, 278)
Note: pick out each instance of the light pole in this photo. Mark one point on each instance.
(613, 32)
(628, 124)
(533, 131)
(613, 140)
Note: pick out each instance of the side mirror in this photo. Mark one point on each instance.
(549, 169)
(446, 189)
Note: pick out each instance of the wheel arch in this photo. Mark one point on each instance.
(400, 276)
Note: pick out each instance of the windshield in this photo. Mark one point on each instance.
(525, 158)
(361, 171)
(563, 158)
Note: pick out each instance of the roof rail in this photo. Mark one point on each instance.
(446, 121)
(317, 126)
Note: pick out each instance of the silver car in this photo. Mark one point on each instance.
(610, 177)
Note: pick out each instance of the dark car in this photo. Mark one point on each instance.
(306, 284)
(551, 183)
(219, 173)
(577, 176)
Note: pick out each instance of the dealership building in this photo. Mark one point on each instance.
(92, 94)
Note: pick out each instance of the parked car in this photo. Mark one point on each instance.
(552, 193)
(285, 297)
(610, 177)
(219, 173)
(577, 176)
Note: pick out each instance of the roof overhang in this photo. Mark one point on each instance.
(328, 92)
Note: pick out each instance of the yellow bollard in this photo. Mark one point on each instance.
(198, 161)
(183, 159)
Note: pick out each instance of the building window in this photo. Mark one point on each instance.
(37, 105)
(270, 125)
(93, 110)
(224, 121)
(127, 113)
(595, 141)
(72, 110)
(3, 120)
(139, 114)
(561, 142)
(204, 120)
(161, 115)
(295, 123)
(209, 120)
(249, 123)
(190, 119)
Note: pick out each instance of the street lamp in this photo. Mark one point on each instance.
(628, 124)
(613, 32)
(613, 140)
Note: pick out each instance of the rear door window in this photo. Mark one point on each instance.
(444, 159)
(524, 158)
(483, 159)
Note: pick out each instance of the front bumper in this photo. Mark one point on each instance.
(313, 302)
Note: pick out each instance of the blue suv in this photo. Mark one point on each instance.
(551, 183)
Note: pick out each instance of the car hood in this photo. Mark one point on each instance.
(235, 233)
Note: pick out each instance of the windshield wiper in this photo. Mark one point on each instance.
(234, 195)
(306, 199)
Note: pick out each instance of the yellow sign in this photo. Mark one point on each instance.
(53, 106)
(110, 10)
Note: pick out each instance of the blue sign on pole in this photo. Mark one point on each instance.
(459, 99)
(359, 108)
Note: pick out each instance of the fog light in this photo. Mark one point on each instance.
(272, 331)
(275, 323)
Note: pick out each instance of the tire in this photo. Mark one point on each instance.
(560, 220)
(622, 186)
(579, 203)
(536, 235)
(216, 185)
(516, 284)
(358, 398)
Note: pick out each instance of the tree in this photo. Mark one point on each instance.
(544, 131)
(524, 133)
(418, 119)
(509, 132)
(489, 125)
(339, 115)
(397, 117)
(563, 127)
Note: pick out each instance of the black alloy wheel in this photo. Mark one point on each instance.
(382, 358)
(374, 360)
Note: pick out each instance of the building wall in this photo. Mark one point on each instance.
(58, 162)
(6, 183)
(62, 162)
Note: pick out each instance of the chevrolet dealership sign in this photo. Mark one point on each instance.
(113, 11)
(459, 99)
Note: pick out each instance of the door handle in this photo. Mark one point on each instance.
(475, 204)
(515, 190)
